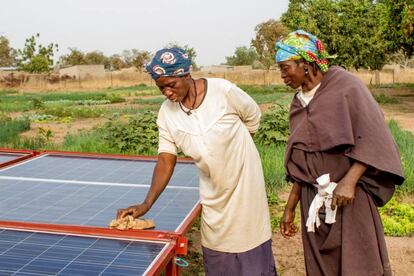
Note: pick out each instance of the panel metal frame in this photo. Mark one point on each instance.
(26, 154)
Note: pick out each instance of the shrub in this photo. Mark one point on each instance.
(138, 135)
(274, 127)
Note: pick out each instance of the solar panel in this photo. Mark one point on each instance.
(31, 253)
(5, 157)
(121, 171)
(87, 204)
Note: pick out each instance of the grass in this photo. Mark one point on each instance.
(405, 142)
(26, 101)
(273, 169)
(152, 101)
(9, 130)
(385, 99)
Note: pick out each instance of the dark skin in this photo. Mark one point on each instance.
(176, 89)
(293, 75)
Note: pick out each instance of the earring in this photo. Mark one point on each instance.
(306, 71)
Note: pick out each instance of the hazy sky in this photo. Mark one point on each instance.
(213, 27)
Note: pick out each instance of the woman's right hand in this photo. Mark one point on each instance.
(287, 227)
(135, 211)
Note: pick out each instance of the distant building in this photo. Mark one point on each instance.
(84, 72)
(225, 68)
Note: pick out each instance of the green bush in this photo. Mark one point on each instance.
(274, 126)
(138, 135)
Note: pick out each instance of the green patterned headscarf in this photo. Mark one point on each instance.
(300, 44)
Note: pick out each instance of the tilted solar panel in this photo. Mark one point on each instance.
(89, 204)
(31, 253)
(108, 170)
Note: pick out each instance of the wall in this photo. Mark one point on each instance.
(133, 77)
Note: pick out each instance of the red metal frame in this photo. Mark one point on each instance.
(111, 156)
(177, 243)
(26, 155)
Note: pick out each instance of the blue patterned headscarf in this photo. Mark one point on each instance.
(169, 62)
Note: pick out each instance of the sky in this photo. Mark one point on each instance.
(214, 28)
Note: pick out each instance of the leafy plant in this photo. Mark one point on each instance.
(398, 218)
(37, 103)
(274, 127)
(138, 135)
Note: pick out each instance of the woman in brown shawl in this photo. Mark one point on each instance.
(342, 160)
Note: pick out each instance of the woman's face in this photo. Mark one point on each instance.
(174, 88)
(292, 73)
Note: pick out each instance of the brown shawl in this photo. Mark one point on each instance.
(343, 114)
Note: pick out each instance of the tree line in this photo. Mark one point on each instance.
(361, 33)
(38, 58)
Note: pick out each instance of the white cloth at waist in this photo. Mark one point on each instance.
(324, 196)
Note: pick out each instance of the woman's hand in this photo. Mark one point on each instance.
(135, 211)
(344, 193)
(287, 227)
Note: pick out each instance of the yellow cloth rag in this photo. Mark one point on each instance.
(129, 222)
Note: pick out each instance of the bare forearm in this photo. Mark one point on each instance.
(162, 173)
(355, 172)
(294, 197)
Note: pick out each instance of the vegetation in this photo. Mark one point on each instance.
(34, 57)
(242, 56)
(7, 54)
(267, 33)
(10, 129)
(139, 135)
(405, 142)
(131, 129)
(398, 218)
(274, 127)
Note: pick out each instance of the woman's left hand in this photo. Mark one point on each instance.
(344, 193)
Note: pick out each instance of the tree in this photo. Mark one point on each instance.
(75, 57)
(117, 62)
(97, 57)
(189, 50)
(136, 58)
(398, 26)
(7, 54)
(34, 58)
(349, 28)
(242, 56)
(267, 33)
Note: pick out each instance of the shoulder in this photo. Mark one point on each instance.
(337, 73)
(219, 84)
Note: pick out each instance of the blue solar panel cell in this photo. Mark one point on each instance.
(105, 170)
(91, 205)
(57, 254)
